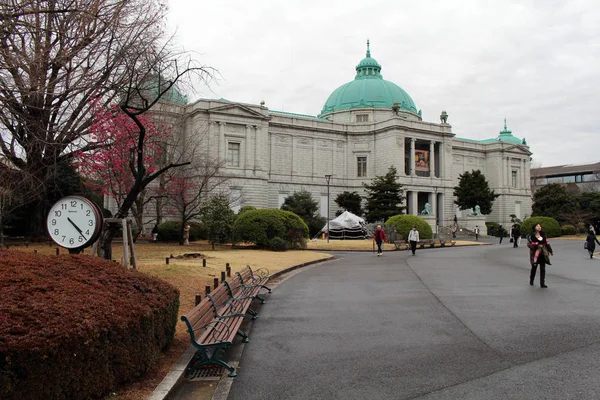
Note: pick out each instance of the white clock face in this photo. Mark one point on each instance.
(74, 222)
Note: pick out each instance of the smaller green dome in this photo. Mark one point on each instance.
(506, 136)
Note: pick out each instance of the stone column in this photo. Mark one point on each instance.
(508, 173)
(523, 168)
(247, 160)
(412, 156)
(314, 158)
(433, 202)
(432, 159)
(256, 166)
(222, 144)
(413, 203)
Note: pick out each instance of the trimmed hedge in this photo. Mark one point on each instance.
(243, 209)
(549, 225)
(77, 327)
(262, 226)
(405, 222)
(567, 230)
(170, 231)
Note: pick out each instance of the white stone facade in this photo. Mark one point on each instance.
(273, 154)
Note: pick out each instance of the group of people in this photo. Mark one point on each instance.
(539, 246)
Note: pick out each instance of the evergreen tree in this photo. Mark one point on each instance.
(384, 197)
(554, 201)
(302, 204)
(473, 190)
(218, 219)
(350, 202)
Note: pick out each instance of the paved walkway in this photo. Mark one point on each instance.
(459, 323)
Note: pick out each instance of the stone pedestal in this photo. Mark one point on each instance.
(430, 219)
(470, 222)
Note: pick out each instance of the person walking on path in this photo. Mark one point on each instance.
(413, 239)
(379, 238)
(501, 233)
(539, 253)
(186, 235)
(476, 231)
(516, 235)
(590, 243)
(454, 229)
(155, 233)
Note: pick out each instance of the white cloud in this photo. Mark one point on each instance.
(535, 62)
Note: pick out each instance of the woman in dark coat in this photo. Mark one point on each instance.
(591, 243)
(539, 247)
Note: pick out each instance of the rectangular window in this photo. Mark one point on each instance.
(577, 178)
(569, 179)
(555, 179)
(514, 179)
(362, 118)
(233, 154)
(361, 167)
(590, 177)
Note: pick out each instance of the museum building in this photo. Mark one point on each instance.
(365, 126)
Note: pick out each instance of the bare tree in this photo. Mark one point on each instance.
(56, 56)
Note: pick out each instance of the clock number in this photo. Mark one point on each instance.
(91, 222)
(56, 232)
(71, 241)
(80, 239)
(63, 206)
(87, 232)
(88, 212)
(53, 222)
(82, 206)
(57, 213)
(63, 238)
(73, 203)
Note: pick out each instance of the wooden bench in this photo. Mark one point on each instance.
(216, 320)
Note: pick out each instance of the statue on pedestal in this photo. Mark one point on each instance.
(476, 212)
(427, 210)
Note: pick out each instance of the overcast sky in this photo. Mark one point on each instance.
(534, 62)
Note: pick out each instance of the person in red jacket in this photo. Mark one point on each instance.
(379, 238)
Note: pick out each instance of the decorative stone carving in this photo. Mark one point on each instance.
(235, 129)
(340, 144)
(323, 143)
(444, 117)
(282, 139)
(304, 141)
(427, 210)
(476, 212)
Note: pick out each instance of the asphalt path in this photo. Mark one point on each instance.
(453, 323)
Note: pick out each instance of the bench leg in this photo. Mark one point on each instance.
(253, 313)
(262, 301)
(266, 287)
(204, 359)
(243, 335)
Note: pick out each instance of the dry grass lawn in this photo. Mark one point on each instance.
(190, 278)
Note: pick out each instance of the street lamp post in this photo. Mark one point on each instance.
(437, 212)
(327, 178)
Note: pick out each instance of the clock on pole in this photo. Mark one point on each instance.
(74, 223)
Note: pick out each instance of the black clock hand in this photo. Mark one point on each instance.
(76, 227)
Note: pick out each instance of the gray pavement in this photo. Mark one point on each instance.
(457, 323)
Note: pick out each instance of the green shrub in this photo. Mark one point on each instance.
(405, 222)
(549, 225)
(170, 231)
(77, 327)
(261, 226)
(567, 229)
(243, 209)
(278, 244)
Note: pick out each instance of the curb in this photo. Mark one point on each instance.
(166, 387)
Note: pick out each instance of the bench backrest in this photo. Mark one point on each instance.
(197, 319)
(245, 275)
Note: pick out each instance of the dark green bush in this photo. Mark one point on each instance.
(170, 231)
(549, 225)
(77, 327)
(261, 226)
(243, 209)
(278, 244)
(405, 222)
(567, 229)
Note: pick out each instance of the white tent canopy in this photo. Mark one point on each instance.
(346, 225)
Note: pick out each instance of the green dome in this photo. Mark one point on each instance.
(368, 89)
(506, 136)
